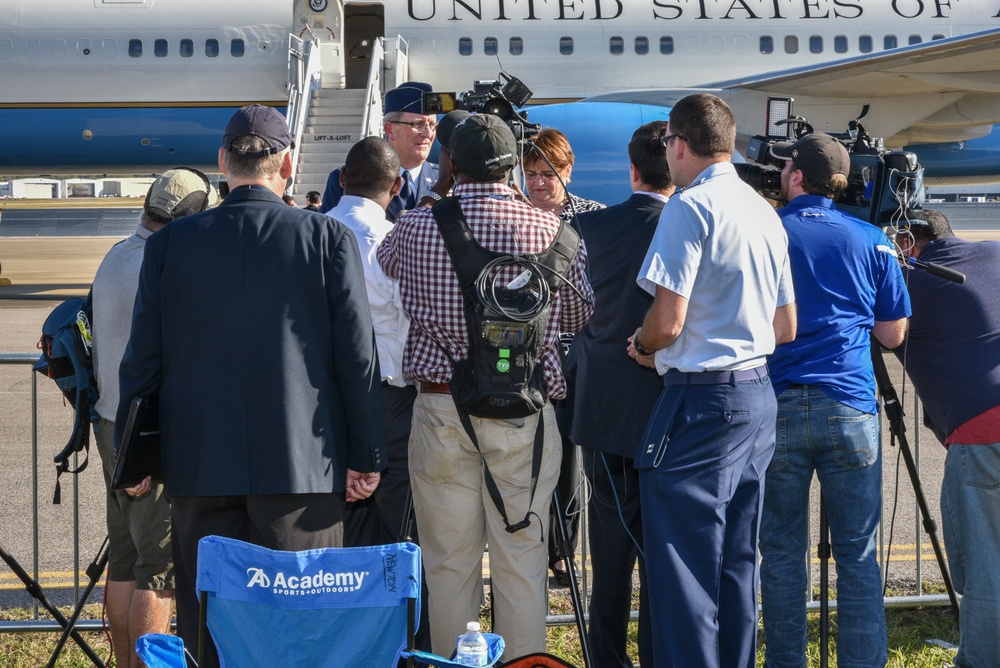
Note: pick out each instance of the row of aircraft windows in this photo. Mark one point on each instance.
(161, 49)
(641, 44)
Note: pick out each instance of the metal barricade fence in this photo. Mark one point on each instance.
(36, 623)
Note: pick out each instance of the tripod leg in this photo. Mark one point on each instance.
(894, 413)
(574, 588)
(33, 588)
(94, 572)
(823, 550)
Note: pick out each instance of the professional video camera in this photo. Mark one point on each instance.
(489, 97)
(882, 183)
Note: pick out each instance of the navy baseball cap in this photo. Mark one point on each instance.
(260, 121)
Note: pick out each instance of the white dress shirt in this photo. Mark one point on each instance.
(367, 220)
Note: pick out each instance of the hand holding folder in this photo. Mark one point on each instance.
(139, 453)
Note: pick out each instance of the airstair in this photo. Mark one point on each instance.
(326, 118)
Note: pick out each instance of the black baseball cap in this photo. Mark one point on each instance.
(260, 121)
(447, 124)
(818, 155)
(483, 147)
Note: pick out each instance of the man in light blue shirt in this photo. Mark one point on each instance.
(718, 270)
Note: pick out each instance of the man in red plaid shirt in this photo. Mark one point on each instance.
(454, 511)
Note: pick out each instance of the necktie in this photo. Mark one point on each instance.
(407, 192)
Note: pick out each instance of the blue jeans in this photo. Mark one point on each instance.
(970, 508)
(840, 443)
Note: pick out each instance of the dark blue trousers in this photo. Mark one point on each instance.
(701, 471)
(615, 525)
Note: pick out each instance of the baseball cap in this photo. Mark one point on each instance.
(264, 122)
(483, 147)
(406, 97)
(447, 124)
(818, 155)
(178, 192)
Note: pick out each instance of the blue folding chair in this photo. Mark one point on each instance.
(327, 607)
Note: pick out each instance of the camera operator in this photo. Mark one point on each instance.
(848, 286)
(952, 355)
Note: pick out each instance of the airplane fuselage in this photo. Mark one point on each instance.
(138, 84)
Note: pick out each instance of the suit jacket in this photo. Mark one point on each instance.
(333, 193)
(613, 396)
(252, 325)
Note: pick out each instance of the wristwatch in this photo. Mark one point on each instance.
(638, 347)
(433, 195)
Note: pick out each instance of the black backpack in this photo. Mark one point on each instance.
(502, 376)
(67, 358)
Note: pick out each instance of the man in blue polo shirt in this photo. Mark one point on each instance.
(848, 286)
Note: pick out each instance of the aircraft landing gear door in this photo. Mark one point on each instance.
(325, 20)
(363, 24)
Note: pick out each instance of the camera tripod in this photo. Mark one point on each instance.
(94, 572)
(894, 414)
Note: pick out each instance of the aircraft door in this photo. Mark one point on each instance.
(324, 19)
(363, 24)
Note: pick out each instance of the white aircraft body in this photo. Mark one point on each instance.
(119, 85)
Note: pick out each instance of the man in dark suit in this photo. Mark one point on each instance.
(252, 326)
(606, 383)
(411, 135)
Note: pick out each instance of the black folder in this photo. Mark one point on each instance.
(139, 452)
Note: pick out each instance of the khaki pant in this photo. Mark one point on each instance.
(457, 518)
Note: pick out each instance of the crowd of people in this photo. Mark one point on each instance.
(706, 356)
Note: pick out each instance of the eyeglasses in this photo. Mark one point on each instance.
(545, 176)
(665, 139)
(419, 126)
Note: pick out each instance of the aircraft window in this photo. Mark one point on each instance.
(890, 42)
(642, 45)
(83, 47)
(840, 43)
(766, 44)
(516, 46)
(109, 47)
(741, 44)
(666, 45)
(916, 39)
(212, 48)
(815, 44)
(865, 44)
(135, 48)
(187, 48)
(617, 46)
(32, 47)
(791, 44)
(160, 48)
(58, 48)
(6, 49)
(937, 36)
(566, 46)
(491, 46)
(237, 48)
(465, 46)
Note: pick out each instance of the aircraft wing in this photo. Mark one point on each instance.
(941, 91)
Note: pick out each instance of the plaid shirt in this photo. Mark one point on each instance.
(415, 255)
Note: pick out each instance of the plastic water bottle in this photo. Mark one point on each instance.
(471, 650)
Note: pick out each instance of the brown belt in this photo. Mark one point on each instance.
(435, 388)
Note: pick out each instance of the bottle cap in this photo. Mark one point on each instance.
(472, 626)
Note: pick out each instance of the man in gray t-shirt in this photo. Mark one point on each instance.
(140, 587)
